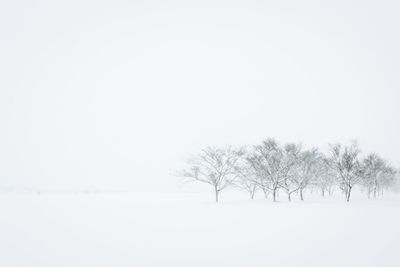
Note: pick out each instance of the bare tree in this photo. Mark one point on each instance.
(326, 180)
(310, 167)
(214, 166)
(247, 179)
(374, 173)
(268, 162)
(344, 161)
(247, 182)
(292, 165)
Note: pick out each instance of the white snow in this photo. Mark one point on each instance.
(179, 229)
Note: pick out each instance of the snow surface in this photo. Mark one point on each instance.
(177, 229)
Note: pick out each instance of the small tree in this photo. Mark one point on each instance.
(247, 179)
(215, 166)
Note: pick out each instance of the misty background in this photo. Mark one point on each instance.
(115, 95)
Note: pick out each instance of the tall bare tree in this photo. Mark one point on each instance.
(217, 167)
(290, 169)
(344, 161)
(310, 167)
(270, 165)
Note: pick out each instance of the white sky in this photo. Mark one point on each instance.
(115, 94)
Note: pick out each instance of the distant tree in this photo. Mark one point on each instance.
(374, 168)
(246, 178)
(293, 180)
(344, 161)
(217, 167)
(310, 168)
(387, 182)
(388, 178)
(326, 179)
(377, 174)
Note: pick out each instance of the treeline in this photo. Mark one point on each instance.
(272, 168)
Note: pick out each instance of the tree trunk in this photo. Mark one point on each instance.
(301, 195)
(348, 194)
(345, 191)
(265, 192)
(252, 192)
(216, 194)
(289, 198)
(322, 192)
(274, 195)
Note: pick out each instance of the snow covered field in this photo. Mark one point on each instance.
(177, 229)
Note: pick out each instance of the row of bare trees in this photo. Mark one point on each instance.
(274, 168)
